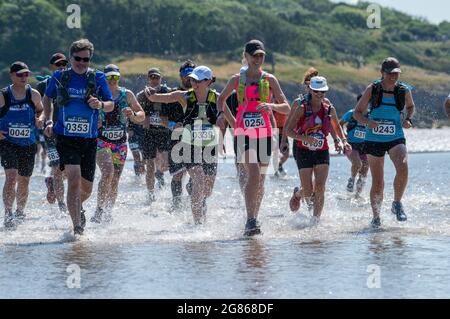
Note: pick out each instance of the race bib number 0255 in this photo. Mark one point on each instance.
(254, 120)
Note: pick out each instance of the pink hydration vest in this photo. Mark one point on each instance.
(309, 124)
(249, 121)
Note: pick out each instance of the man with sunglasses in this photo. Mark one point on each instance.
(156, 132)
(54, 182)
(20, 107)
(81, 93)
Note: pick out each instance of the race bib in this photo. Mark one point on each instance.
(114, 133)
(387, 128)
(318, 144)
(360, 134)
(134, 146)
(203, 133)
(254, 120)
(19, 131)
(52, 154)
(155, 119)
(77, 125)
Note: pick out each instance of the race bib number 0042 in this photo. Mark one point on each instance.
(19, 132)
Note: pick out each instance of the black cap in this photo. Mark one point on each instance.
(19, 67)
(58, 57)
(254, 47)
(154, 71)
(391, 65)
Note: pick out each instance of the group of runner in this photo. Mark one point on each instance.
(88, 119)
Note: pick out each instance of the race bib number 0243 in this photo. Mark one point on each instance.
(384, 129)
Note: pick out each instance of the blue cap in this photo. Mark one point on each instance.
(112, 69)
(186, 71)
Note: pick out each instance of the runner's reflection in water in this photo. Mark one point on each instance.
(254, 268)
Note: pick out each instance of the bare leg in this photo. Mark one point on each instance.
(74, 193)
(198, 192)
(9, 188)
(376, 192)
(22, 192)
(399, 157)
(104, 162)
(320, 175)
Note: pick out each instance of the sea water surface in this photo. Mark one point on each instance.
(147, 252)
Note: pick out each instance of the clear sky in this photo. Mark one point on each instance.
(434, 11)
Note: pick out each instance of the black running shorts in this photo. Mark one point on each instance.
(18, 157)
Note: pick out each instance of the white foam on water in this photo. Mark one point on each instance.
(427, 205)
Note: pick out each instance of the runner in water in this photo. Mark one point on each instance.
(20, 107)
(356, 134)
(112, 145)
(253, 125)
(336, 131)
(81, 93)
(54, 182)
(310, 125)
(135, 142)
(200, 137)
(156, 132)
(388, 98)
(176, 116)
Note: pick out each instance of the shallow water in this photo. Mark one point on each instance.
(146, 252)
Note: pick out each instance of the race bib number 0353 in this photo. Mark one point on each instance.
(79, 126)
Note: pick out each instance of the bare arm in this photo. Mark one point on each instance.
(410, 108)
(223, 107)
(281, 104)
(293, 119)
(446, 106)
(362, 107)
(37, 100)
(138, 116)
(167, 98)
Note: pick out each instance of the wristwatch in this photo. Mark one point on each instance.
(408, 119)
(48, 122)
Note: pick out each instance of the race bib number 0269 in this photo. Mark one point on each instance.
(254, 120)
(318, 144)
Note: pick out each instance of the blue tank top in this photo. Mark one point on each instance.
(19, 123)
(390, 124)
(358, 133)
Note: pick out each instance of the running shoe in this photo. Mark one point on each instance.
(360, 185)
(97, 218)
(78, 230)
(189, 187)
(51, 196)
(19, 215)
(397, 209)
(281, 171)
(294, 202)
(62, 207)
(376, 222)
(252, 227)
(350, 185)
(9, 221)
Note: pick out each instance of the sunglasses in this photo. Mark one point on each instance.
(317, 92)
(79, 59)
(154, 77)
(198, 81)
(23, 75)
(60, 64)
(113, 77)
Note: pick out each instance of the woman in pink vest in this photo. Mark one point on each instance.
(309, 126)
(253, 124)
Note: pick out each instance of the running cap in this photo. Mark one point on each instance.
(154, 71)
(318, 83)
(19, 67)
(186, 71)
(58, 57)
(254, 47)
(111, 69)
(391, 65)
(201, 73)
